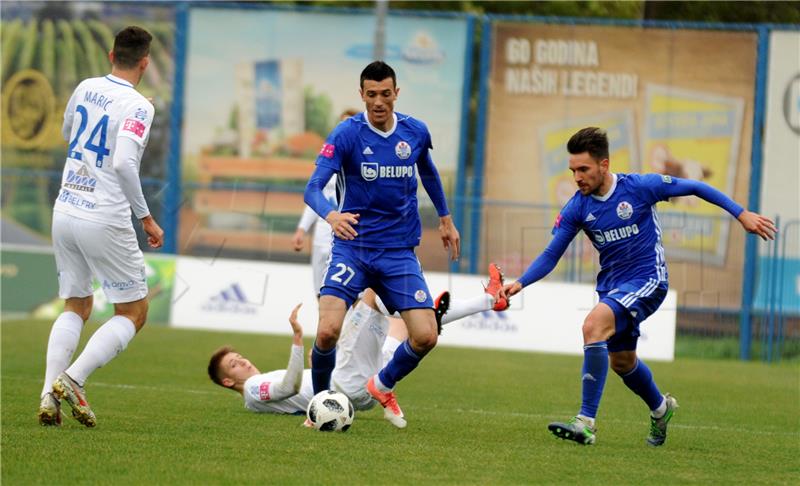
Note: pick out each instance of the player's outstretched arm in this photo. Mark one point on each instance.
(289, 386)
(751, 222)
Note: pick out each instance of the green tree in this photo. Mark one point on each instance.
(318, 112)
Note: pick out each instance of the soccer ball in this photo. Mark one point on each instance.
(330, 411)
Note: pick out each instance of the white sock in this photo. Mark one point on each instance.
(460, 308)
(661, 410)
(389, 347)
(64, 337)
(588, 420)
(107, 342)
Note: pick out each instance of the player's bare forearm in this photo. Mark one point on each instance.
(758, 225)
(451, 239)
(298, 239)
(510, 290)
(297, 328)
(155, 235)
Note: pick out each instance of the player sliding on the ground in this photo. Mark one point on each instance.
(617, 213)
(107, 123)
(368, 341)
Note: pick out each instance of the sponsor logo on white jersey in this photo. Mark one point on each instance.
(608, 236)
(402, 149)
(624, 210)
(81, 180)
(590, 218)
(367, 151)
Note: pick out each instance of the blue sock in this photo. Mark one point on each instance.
(322, 364)
(640, 380)
(595, 370)
(402, 363)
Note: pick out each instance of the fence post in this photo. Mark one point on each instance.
(754, 199)
(174, 189)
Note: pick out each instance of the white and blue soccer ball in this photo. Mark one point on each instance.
(330, 411)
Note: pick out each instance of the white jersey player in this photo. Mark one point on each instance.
(107, 125)
(369, 339)
(323, 236)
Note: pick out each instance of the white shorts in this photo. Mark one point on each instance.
(320, 254)
(359, 354)
(85, 248)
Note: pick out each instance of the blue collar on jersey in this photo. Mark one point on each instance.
(607, 195)
(117, 80)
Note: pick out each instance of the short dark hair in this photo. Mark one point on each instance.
(590, 139)
(216, 362)
(131, 45)
(378, 71)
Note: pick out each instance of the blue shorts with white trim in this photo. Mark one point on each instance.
(632, 303)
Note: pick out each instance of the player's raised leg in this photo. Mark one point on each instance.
(598, 326)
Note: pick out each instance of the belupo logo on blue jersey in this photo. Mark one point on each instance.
(369, 170)
(373, 170)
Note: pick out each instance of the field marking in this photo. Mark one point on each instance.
(552, 416)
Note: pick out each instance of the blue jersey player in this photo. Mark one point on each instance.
(617, 213)
(377, 156)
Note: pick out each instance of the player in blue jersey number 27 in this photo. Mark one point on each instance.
(376, 156)
(617, 213)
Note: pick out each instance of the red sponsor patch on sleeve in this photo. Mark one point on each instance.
(134, 126)
(557, 223)
(327, 150)
(263, 391)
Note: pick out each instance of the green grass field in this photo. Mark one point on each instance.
(475, 417)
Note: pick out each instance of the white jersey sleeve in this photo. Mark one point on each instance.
(136, 120)
(258, 394)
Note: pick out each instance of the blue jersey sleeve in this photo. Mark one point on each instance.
(314, 195)
(663, 187)
(337, 146)
(564, 230)
(430, 178)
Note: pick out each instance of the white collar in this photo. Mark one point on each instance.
(381, 132)
(118, 80)
(610, 191)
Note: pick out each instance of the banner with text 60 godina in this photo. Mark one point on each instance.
(550, 75)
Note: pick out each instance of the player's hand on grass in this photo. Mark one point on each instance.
(298, 239)
(297, 329)
(155, 235)
(510, 290)
(342, 224)
(451, 239)
(757, 224)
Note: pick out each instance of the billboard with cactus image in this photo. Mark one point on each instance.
(47, 49)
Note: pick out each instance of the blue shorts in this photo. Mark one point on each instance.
(395, 274)
(632, 303)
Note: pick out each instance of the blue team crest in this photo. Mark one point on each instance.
(369, 170)
(420, 296)
(624, 210)
(402, 149)
(140, 114)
